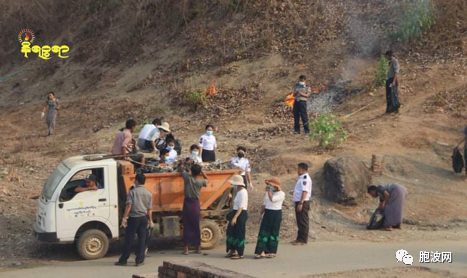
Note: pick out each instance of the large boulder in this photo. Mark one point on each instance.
(346, 179)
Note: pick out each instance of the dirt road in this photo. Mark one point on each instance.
(323, 259)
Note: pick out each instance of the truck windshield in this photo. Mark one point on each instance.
(53, 181)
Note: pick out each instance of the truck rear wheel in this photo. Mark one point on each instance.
(210, 234)
(92, 244)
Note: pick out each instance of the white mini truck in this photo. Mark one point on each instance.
(92, 219)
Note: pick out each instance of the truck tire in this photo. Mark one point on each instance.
(92, 244)
(210, 234)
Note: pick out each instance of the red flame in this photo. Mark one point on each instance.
(289, 100)
(212, 90)
(27, 37)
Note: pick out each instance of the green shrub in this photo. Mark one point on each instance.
(196, 98)
(381, 73)
(328, 130)
(416, 20)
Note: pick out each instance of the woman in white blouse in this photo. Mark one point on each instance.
(208, 145)
(268, 237)
(242, 163)
(236, 229)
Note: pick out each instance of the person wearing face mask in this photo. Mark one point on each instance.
(242, 163)
(172, 157)
(208, 145)
(164, 157)
(268, 236)
(194, 154)
(301, 94)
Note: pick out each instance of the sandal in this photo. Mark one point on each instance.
(260, 257)
(236, 257)
(271, 256)
(185, 253)
(230, 255)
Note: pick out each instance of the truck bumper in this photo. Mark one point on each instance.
(44, 236)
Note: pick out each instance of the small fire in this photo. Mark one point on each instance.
(27, 37)
(212, 90)
(289, 100)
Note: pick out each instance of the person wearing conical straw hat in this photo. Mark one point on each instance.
(236, 229)
(268, 236)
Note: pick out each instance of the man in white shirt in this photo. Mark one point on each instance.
(150, 133)
(301, 198)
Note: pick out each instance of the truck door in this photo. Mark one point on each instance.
(75, 209)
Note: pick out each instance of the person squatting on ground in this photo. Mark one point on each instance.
(392, 199)
(50, 111)
(208, 145)
(301, 93)
(136, 219)
(268, 236)
(242, 163)
(301, 198)
(191, 207)
(392, 84)
(236, 230)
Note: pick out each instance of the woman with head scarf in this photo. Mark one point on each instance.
(392, 198)
(268, 237)
(237, 225)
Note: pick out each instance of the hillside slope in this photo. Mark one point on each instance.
(140, 60)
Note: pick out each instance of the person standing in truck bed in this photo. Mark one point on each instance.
(125, 145)
(136, 219)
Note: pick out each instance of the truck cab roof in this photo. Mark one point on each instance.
(79, 161)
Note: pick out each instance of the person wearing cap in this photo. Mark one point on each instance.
(236, 230)
(301, 93)
(90, 183)
(136, 219)
(242, 163)
(301, 198)
(268, 237)
(150, 133)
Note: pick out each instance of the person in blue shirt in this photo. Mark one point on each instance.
(90, 183)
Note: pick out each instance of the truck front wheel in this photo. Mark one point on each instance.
(92, 244)
(210, 234)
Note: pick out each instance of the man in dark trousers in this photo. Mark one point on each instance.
(136, 219)
(301, 93)
(301, 198)
(392, 84)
